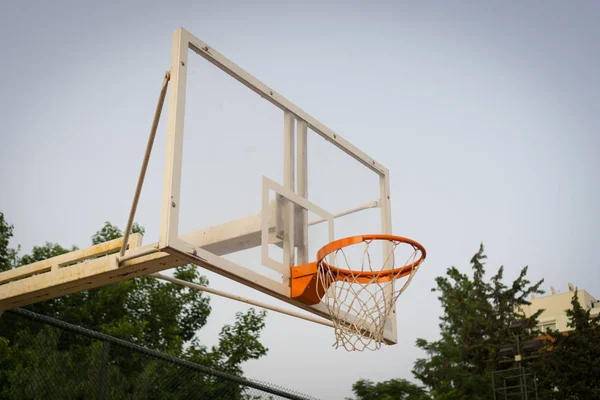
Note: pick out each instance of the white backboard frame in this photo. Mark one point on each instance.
(170, 238)
(268, 186)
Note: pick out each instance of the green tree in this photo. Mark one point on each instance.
(394, 389)
(474, 324)
(8, 256)
(161, 316)
(570, 368)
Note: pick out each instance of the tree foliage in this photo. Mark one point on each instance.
(570, 366)
(476, 315)
(145, 311)
(394, 389)
(8, 256)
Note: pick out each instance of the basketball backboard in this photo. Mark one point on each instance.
(267, 183)
(253, 188)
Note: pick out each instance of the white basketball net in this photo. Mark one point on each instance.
(359, 311)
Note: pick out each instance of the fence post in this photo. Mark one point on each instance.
(103, 370)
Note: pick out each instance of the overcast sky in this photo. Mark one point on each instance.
(486, 115)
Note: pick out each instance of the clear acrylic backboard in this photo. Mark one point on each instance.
(260, 184)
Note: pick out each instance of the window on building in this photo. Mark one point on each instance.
(547, 325)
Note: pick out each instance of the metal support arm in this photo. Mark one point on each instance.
(140, 183)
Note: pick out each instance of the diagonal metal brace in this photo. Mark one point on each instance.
(140, 183)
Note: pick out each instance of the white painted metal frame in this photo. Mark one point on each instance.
(170, 240)
(298, 201)
(300, 214)
(289, 183)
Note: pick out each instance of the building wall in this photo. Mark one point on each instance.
(555, 305)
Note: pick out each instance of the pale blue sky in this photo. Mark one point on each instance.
(486, 115)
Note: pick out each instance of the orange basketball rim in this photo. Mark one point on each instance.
(305, 286)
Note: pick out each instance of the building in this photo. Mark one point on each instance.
(555, 305)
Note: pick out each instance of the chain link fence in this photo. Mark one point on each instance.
(52, 359)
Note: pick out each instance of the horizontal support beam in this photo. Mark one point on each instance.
(88, 274)
(40, 281)
(46, 279)
(96, 273)
(73, 257)
(241, 234)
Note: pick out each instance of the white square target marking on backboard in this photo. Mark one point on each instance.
(298, 201)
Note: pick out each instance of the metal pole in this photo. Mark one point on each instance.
(526, 389)
(519, 365)
(140, 183)
(266, 306)
(366, 206)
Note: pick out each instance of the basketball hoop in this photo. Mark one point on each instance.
(359, 289)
